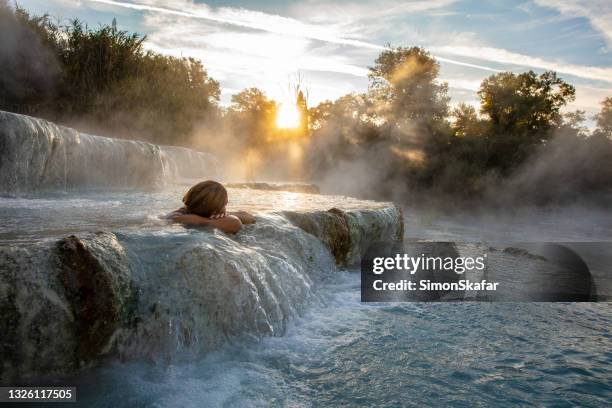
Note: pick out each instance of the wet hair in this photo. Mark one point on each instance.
(205, 198)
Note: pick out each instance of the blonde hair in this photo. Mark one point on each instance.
(205, 198)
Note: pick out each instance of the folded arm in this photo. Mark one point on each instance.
(230, 224)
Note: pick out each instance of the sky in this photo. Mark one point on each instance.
(329, 45)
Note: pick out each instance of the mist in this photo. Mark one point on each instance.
(566, 170)
(30, 70)
(516, 151)
(402, 140)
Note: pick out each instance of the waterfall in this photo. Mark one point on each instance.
(39, 155)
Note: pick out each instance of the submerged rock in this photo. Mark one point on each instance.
(36, 321)
(61, 304)
(96, 277)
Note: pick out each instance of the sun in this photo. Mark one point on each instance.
(287, 116)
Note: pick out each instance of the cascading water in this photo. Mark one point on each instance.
(267, 317)
(100, 274)
(38, 155)
(161, 290)
(181, 163)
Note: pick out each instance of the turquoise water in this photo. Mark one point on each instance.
(340, 352)
(344, 353)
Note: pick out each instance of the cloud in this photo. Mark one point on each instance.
(502, 56)
(350, 13)
(598, 12)
(463, 83)
(241, 57)
(246, 19)
(589, 98)
(332, 42)
(271, 23)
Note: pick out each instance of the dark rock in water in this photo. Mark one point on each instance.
(96, 276)
(291, 187)
(36, 322)
(348, 234)
(331, 227)
(522, 252)
(60, 308)
(540, 272)
(566, 279)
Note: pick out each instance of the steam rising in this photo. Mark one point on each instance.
(25, 59)
(399, 141)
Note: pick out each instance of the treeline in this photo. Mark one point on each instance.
(399, 139)
(403, 137)
(100, 79)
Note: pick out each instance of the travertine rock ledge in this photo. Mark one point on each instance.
(36, 154)
(66, 304)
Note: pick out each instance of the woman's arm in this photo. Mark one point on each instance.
(229, 224)
(244, 217)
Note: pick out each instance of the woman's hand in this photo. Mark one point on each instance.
(219, 215)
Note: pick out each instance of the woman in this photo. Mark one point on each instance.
(205, 205)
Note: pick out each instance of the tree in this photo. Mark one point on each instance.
(466, 122)
(29, 67)
(252, 116)
(302, 107)
(573, 124)
(406, 79)
(604, 119)
(524, 103)
(522, 110)
(101, 80)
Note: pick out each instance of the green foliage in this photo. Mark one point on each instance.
(28, 63)
(404, 126)
(252, 116)
(524, 103)
(522, 108)
(604, 119)
(466, 122)
(339, 130)
(406, 79)
(107, 82)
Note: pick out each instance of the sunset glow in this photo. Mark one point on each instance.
(252, 43)
(287, 116)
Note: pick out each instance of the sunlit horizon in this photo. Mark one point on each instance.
(287, 116)
(332, 44)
